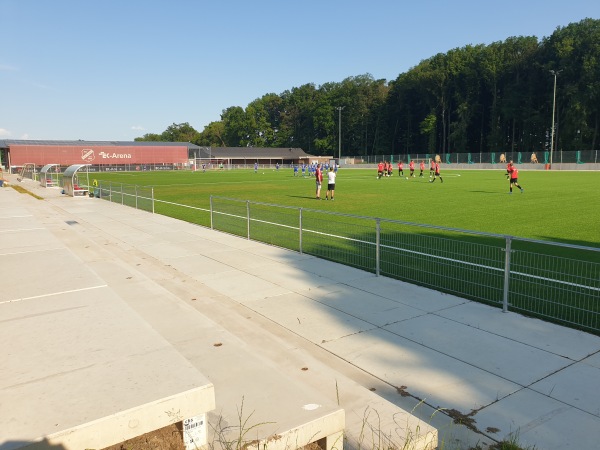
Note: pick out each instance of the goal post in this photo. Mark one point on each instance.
(27, 171)
(206, 164)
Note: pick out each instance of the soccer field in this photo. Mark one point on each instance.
(556, 282)
(556, 206)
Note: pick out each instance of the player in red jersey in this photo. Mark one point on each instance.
(436, 174)
(508, 169)
(380, 169)
(411, 166)
(400, 169)
(319, 180)
(422, 168)
(431, 168)
(514, 177)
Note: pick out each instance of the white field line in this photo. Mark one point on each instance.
(442, 258)
(16, 217)
(179, 204)
(32, 251)
(53, 293)
(16, 230)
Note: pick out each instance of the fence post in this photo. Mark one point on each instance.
(377, 245)
(110, 191)
(300, 231)
(136, 197)
(152, 198)
(248, 219)
(507, 252)
(211, 213)
(122, 195)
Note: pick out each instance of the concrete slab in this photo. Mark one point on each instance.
(538, 420)
(425, 373)
(286, 276)
(237, 259)
(371, 308)
(235, 283)
(333, 271)
(593, 360)
(503, 357)
(24, 240)
(312, 320)
(576, 385)
(408, 294)
(201, 266)
(567, 342)
(11, 221)
(56, 271)
(76, 373)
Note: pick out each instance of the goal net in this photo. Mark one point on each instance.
(205, 164)
(27, 171)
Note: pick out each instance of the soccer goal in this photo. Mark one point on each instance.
(27, 171)
(206, 164)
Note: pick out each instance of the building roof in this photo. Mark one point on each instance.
(201, 152)
(6, 143)
(258, 153)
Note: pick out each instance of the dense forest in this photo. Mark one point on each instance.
(478, 98)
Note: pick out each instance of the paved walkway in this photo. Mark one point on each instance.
(366, 342)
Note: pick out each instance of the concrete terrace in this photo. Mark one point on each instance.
(292, 338)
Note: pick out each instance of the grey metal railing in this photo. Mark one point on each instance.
(579, 157)
(554, 281)
(138, 197)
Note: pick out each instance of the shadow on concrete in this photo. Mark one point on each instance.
(40, 445)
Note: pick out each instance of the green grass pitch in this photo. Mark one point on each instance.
(552, 282)
(556, 206)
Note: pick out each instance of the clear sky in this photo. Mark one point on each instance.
(117, 69)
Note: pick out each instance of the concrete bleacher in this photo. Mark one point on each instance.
(79, 368)
(113, 335)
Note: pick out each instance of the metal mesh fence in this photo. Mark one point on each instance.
(557, 287)
(540, 157)
(553, 281)
(230, 216)
(342, 238)
(188, 213)
(557, 284)
(275, 225)
(139, 197)
(471, 266)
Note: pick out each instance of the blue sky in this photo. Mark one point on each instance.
(117, 69)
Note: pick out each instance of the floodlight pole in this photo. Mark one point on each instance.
(555, 73)
(339, 108)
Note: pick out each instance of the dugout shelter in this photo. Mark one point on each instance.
(72, 185)
(49, 175)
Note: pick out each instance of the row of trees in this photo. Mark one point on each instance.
(479, 98)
